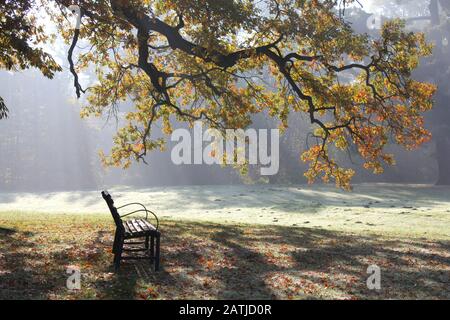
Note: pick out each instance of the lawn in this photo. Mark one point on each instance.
(267, 246)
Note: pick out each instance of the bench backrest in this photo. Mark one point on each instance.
(110, 202)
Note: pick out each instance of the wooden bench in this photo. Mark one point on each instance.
(133, 229)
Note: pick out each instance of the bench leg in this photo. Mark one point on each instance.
(152, 247)
(157, 252)
(146, 242)
(118, 254)
(116, 240)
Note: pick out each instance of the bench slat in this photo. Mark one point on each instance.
(130, 226)
(126, 228)
(144, 225)
(137, 226)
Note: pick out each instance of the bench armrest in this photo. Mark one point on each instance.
(132, 203)
(140, 210)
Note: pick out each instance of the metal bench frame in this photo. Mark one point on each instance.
(152, 237)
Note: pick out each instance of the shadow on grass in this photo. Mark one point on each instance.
(226, 262)
(210, 261)
(17, 280)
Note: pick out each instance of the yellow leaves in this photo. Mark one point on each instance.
(290, 99)
(167, 127)
(84, 113)
(319, 132)
(343, 178)
(321, 165)
(341, 143)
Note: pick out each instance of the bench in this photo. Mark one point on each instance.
(134, 229)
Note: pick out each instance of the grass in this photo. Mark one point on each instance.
(398, 210)
(227, 260)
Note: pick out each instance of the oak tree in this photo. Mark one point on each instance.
(225, 60)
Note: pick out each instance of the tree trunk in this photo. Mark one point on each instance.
(434, 11)
(443, 159)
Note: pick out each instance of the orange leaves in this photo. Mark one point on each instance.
(375, 166)
(321, 165)
(388, 158)
(362, 96)
(149, 294)
(208, 263)
(271, 258)
(421, 95)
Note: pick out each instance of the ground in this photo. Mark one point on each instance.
(234, 242)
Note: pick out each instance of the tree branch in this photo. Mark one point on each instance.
(76, 83)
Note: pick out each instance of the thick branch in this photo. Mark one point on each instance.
(176, 41)
(76, 83)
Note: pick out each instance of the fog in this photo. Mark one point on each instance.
(45, 145)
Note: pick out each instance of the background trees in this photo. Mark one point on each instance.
(431, 17)
(21, 40)
(437, 70)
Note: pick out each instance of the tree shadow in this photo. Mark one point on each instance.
(324, 259)
(214, 261)
(17, 279)
(6, 231)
